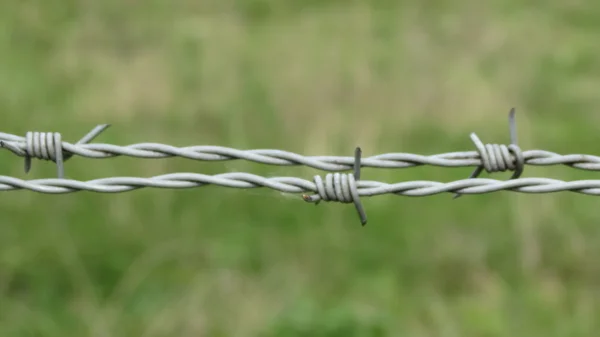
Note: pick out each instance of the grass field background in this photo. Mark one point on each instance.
(317, 78)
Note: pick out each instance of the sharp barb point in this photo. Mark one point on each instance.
(512, 125)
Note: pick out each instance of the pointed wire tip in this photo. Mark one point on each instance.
(363, 218)
(357, 203)
(99, 128)
(357, 155)
(512, 126)
(95, 132)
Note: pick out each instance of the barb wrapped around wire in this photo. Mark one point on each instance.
(340, 187)
(497, 158)
(45, 146)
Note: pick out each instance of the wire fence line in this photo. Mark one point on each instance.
(338, 186)
(419, 188)
(18, 145)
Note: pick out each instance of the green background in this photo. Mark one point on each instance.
(316, 78)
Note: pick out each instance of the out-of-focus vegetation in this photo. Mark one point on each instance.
(318, 78)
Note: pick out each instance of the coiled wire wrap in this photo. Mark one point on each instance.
(47, 146)
(340, 187)
(44, 146)
(498, 157)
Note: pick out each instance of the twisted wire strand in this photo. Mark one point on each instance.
(17, 145)
(491, 157)
(365, 188)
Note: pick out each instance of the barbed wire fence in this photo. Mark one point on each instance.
(336, 187)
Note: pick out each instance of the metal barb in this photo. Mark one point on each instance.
(512, 126)
(340, 187)
(513, 148)
(359, 207)
(95, 132)
(60, 158)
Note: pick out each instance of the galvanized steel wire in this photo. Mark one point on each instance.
(18, 145)
(338, 186)
(420, 188)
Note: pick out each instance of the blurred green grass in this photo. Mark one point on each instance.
(318, 78)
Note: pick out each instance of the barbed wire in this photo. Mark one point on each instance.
(339, 187)
(20, 145)
(324, 163)
(419, 188)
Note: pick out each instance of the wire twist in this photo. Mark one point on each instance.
(419, 188)
(16, 144)
(47, 146)
(499, 157)
(340, 187)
